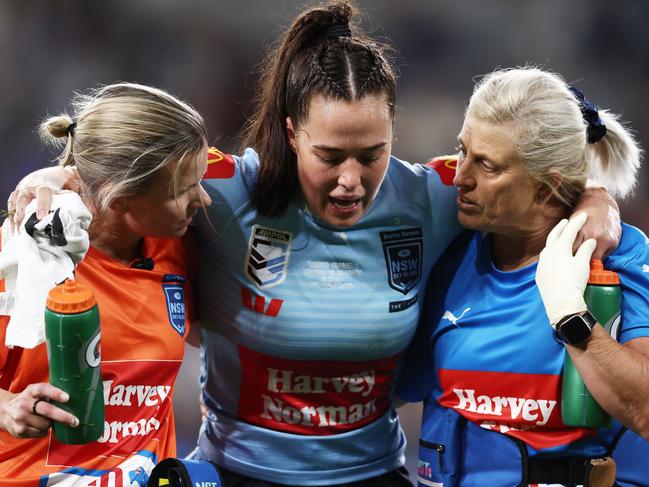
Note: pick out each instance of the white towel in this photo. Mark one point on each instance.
(32, 265)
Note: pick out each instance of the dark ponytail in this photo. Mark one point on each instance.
(321, 54)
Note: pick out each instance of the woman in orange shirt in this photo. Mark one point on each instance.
(140, 154)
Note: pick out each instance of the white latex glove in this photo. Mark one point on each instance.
(560, 276)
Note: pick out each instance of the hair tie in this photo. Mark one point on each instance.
(596, 128)
(71, 128)
(339, 30)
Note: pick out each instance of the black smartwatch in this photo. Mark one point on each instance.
(574, 329)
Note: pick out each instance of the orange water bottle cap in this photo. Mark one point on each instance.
(70, 297)
(599, 275)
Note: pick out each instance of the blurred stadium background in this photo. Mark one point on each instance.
(205, 50)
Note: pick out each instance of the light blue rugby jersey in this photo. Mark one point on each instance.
(486, 358)
(304, 326)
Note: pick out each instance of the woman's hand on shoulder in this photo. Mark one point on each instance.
(603, 222)
(29, 414)
(40, 185)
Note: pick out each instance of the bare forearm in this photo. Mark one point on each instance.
(617, 376)
(603, 220)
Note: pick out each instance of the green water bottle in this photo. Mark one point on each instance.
(602, 296)
(73, 352)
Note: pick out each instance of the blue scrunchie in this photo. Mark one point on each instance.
(596, 128)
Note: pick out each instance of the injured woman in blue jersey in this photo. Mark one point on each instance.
(490, 349)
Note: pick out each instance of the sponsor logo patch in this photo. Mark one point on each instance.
(219, 165)
(93, 351)
(403, 253)
(267, 257)
(427, 464)
(257, 303)
(448, 315)
(312, 397)
(445, 167)
(396, 306)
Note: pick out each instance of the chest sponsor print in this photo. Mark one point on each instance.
(403, 254)
(312, 397)
(525, 406)
(267, 257)
(137, 398)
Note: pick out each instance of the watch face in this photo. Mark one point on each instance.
(575, 329)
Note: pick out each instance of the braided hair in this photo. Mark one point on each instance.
(321, 54)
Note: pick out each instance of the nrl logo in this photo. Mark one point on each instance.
(267, 257)
(403, 254)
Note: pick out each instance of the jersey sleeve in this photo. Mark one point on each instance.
(631, 262)
(190, 250)
(219, 165)
(445, 167)
(230, 188)
(428, 187)
(442, 194)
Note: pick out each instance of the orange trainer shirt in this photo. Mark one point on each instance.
(142, 340)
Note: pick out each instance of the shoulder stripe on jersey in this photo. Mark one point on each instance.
(219, 165)
(445, 167)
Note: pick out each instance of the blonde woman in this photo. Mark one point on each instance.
(140, 155)
(493, 416)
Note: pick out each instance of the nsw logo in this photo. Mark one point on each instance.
(403, 254)
(175, 296)
(267, 258)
